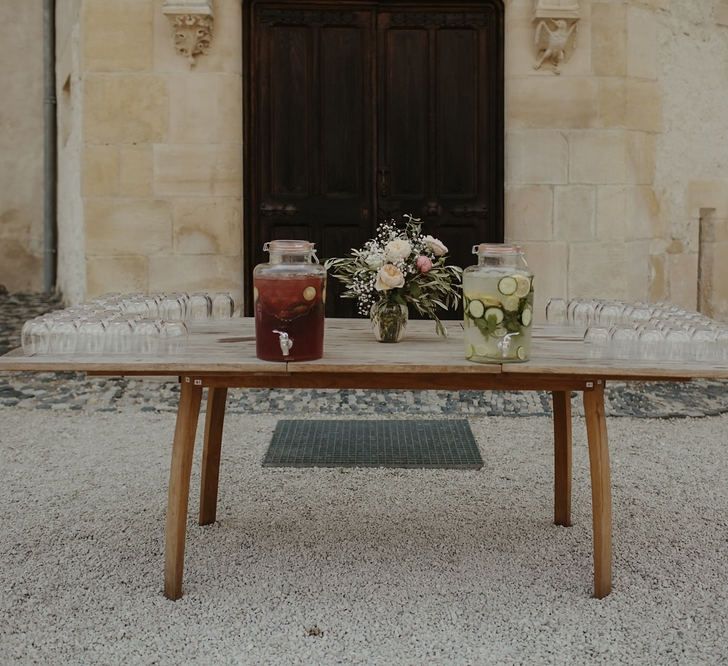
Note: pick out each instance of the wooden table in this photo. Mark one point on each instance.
(221, 355)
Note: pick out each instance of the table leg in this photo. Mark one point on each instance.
(562, 457)
(596, 429)
(214, 419)
(179, 487)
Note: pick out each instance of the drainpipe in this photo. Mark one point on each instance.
(49, 145)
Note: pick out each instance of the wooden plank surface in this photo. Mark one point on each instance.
(228, 348)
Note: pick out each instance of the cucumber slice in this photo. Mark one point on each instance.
(494, 312)
(526, 316)
(482, 350)
(521, 353)
(507, 286)
(476, 309)
(510, 303)
(469, 351)
(309, 293)
(500, 331)
(523, 285)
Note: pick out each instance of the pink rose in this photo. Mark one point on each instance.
(424, 264)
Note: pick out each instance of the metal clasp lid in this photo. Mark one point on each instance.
(285, 342)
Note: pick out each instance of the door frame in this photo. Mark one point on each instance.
(497, 75)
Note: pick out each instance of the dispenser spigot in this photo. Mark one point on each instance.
(285, 342)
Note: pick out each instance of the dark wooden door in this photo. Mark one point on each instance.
(362, 111)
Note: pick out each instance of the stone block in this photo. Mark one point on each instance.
(598, 157)
(529, 213)
(612, 102)
(707, 194)
(642, 45)
(609, 39)
(683, 279)
(637, 270)
(196, 273)
(229, 108)
(645, 219)
(537, 157)
(548, 261)
(641, 155)
(115, 274)
(225, 54)
(135, 171)
(565, 102)
(643, 109)
(20, 268)
(597, 270)
(207, 226)
(125, 108)
(193, 114)
(100, 171)
(117, 35)
(574, 212)
(127, 226)
(209, 170)
(611, 212)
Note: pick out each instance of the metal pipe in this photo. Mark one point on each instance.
(49, 146)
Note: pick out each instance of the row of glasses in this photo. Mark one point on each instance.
(653, 331)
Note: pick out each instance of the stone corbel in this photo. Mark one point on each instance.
(555, 37)
(192, 22)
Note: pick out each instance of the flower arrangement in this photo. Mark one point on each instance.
(400, 267)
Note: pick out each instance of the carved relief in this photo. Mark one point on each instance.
(556, 24)
(441, 19)
(192, 23)
(306, 17)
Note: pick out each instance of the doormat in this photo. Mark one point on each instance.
(447, 444)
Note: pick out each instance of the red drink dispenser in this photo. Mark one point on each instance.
(289, 293)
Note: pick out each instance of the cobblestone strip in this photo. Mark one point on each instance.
(75, 391)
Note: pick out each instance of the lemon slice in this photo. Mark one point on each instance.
(526, 316)
(476, 309)
(309, 293)
(500, 331)
(494, 312)
(523, 285)
(507, 286)
(481, 350)
(521, 353)
(255, 293)
(510, 303)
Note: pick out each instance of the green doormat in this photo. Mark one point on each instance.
(415, 444)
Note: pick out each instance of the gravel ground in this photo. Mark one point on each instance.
(359, 566)
(76, 392)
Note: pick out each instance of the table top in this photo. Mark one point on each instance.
(228, 347)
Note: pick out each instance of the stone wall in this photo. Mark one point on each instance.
(162, 151)
(692, 152)
(21, 145)
(580, 154)
(610, 166)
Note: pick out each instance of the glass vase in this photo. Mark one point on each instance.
(389, 321)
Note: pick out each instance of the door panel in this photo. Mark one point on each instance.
(436, 134)
(313, 152)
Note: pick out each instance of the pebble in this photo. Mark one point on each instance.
(75, 391)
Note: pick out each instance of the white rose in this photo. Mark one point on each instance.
(437, 247)
(397, 250)
(389, 277)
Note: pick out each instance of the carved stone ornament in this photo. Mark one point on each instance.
(555, 38)
(192, 23)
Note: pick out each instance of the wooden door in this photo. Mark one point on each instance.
(357, 112)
